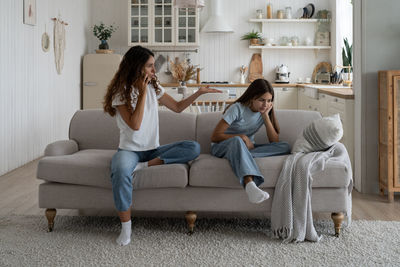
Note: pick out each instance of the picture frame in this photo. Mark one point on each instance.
(323, 38)
(30, 12)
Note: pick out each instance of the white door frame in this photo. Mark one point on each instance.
(360, 158)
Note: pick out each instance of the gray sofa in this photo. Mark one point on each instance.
(77, 171)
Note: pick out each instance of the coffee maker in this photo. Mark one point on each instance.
(282, 74)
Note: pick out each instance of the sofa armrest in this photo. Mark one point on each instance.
(62, 147)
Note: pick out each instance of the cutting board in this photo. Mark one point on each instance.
(255, 68)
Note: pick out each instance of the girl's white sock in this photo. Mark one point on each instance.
(255, 194)
(125, 235)
(141, 165)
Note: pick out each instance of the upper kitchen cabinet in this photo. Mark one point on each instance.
(159, 23)
(294, 34)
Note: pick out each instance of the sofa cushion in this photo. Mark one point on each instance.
(92, 167)
(210, 171)
(319, 135)
(94, 129)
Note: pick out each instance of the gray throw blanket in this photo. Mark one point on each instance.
(291, 215)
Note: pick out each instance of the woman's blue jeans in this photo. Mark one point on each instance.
(242, 159)
(124, 162)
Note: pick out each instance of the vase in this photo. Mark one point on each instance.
(242, 78)
(103, 45)
(182, 88)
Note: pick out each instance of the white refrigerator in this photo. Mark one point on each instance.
(98, 71)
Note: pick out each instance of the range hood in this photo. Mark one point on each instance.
(216, 22)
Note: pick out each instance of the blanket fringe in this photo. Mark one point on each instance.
(283, 232)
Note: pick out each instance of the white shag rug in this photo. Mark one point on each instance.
(90, 241)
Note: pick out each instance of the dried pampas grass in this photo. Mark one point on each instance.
(182, 71)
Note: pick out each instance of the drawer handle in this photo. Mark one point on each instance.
(89, 83)
(284, 89)
(336, 100)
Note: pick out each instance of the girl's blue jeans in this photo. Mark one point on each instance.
(242, 159)
(124, 162)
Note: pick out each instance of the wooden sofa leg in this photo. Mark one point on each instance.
(190, 217)
(50, 215)
(337, 220)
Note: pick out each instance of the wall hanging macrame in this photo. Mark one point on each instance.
(59, 43)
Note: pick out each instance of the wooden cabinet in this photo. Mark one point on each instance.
(389, 107)
(159, 23)
(285, 97)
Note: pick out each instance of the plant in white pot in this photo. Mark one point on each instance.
(103, 33)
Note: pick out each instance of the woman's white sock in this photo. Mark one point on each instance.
(125, 235)
(141, 165)
(255, 194)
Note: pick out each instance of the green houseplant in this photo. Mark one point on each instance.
(347, 51)
(253, 36)
(103, 33)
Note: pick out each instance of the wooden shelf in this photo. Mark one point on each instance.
(289, 20)
(288, 47)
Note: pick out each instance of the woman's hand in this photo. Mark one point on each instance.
(144, 81)
(247, 141)
(205, 89)
(266, 112)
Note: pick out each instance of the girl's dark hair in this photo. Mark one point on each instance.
(127, 79)
(255, 90)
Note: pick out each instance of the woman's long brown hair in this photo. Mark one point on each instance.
(127, 79)
(255, 90)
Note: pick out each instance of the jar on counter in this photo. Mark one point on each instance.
(269, 11)
(259, 14)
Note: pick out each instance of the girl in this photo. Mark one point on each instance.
(132, 97)
(233, 137)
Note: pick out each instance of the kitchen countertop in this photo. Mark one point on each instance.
(333, 90)
(225, 84)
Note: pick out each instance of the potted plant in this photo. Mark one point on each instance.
(347, 51)
(323, 14)
(253, 36)
(103, 33)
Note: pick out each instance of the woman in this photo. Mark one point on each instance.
(233, 137)
(132, 97)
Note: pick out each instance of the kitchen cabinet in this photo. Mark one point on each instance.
(330, 105)
(285, 98)
(159, 23)
(308, 99)
(327, 105)
(305, 28)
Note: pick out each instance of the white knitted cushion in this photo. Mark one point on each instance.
(319, 135)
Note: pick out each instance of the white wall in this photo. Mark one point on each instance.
(36, 103)
(221, 55)
(380, 50)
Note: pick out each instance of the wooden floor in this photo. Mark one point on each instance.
(19, 196)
